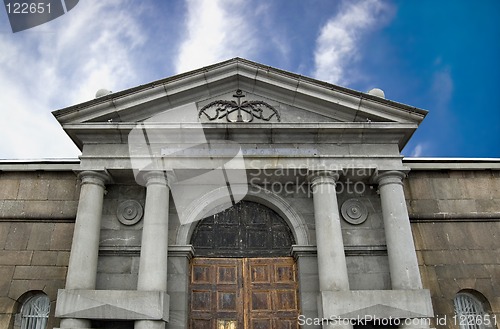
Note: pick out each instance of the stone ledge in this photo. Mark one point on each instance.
(492, 216)
(376, 303)
(113, 304)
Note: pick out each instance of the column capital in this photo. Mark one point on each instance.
(390, 177)
(100, 178)
(323, 177)
(156, 177)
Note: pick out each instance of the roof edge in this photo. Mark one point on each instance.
(452, 163)
(52, 164)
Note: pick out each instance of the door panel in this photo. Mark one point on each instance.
(240, 293)
(216, 298)
(271, 286)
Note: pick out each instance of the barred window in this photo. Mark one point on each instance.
(470, 312)
(35, 312)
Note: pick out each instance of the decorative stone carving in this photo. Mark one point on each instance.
(129, 212)
(238, 111)
(354, 211)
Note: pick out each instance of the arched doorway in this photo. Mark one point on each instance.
(242, 275)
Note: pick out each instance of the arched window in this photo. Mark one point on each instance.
(35, 312)
(247, 229)
(471, 312)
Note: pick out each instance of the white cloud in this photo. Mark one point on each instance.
(59, 64)
(442, 87)
(215, 30)
(338, 40)
(417, 151)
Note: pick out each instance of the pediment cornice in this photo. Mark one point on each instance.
(330, 101)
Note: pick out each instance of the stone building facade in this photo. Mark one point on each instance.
(242, 196)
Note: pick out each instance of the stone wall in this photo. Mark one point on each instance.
(37, 211)
(456, 226)
(453, 194)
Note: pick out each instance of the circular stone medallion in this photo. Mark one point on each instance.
(129, 212)
(354, 211)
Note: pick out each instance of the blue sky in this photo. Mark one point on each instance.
(442, 56)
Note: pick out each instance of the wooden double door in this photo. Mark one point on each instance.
(244, 293)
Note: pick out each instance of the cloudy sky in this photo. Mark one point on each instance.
(442, 56)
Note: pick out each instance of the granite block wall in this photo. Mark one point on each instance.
(456, 227)
(37, 211)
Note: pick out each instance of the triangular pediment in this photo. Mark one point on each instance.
(296, 98)
(306, 106)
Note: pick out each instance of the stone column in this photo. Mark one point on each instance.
(154, 245)
(82, 268)
(403, 264)
(332, 267)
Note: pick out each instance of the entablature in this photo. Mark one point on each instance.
(270, 132)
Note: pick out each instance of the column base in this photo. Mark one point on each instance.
(75, 323)
(113, 305)
(148, 324)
